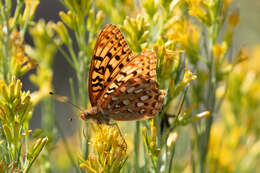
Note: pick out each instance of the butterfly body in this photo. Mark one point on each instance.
(122, 87)
(95, 114)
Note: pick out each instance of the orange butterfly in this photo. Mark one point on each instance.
(122, 87)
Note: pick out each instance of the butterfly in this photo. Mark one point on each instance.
(122, 86)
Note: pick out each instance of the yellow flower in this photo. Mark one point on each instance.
(30, 8)
(67, 19)
(42, 35)
(63, 33)
(186, 33)
(219, 50)
(254, 60)
(234, 19)
(109, 150)
(227, 2)
(200, 10)
(43, 91)
(187, 78)
(20, 62)
(151, 141)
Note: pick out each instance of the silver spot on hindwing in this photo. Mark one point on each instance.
(139, 104)
(130, 90)
(138, 91)
(126, 102)
(144, 97)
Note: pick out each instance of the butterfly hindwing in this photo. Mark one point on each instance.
(136, 99)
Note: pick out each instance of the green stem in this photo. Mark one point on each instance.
(5, 60)
(66, 145)
(48, 115)
(210, 102)
(137, 145)
(171, 159)
(17, 13)
(83, 97)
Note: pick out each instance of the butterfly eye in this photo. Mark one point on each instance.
(85, 115)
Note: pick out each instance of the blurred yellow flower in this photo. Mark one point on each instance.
(227, 2)
(254, 60)
(42, 34)
(186, 35)
(109, 150)
(63, 33)
(219, 50)
(200, 9)
(30, 8)
(234, 19)
(219, 154)
(20, 62)
(183, 31)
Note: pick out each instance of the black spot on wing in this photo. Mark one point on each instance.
(97, 90)
(118, 83)
(111, 89)
(97, 78)
(110, 68)
(97, 84)
(117, 58)
(123, 73)
(121, 66)
(109, 55)
(100, 70)
(98, 58)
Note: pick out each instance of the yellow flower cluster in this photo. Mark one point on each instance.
(219, 50)
(151, 141)
(30, 8)
(236, 133)
(20, 63)
(139, 25)
(187, 35)
(15, 105)
(187, 78)
(201, 10)
(109, 150)
(42, 35)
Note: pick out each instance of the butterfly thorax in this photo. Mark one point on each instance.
(95, 114)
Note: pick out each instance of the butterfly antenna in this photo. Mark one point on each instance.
(64, 99)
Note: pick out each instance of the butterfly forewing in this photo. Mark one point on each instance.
(111, 53)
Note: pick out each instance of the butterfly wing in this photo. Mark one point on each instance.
(110, 54)
(134, 93)
(136, 99)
